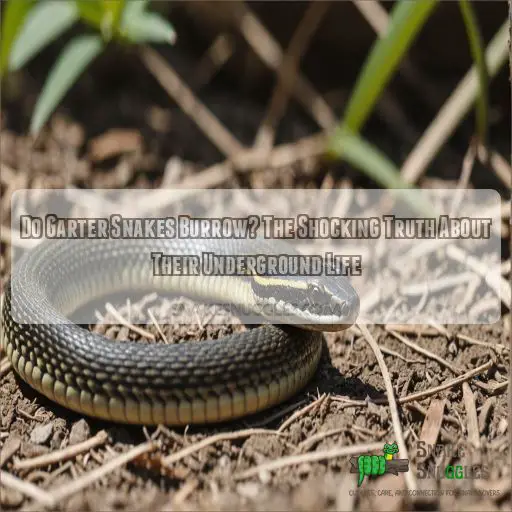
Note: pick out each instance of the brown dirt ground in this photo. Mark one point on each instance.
(207, 480)
(348, 375)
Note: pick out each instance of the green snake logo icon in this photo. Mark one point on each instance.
(375, 464)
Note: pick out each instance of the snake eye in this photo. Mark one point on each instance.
(315, 291)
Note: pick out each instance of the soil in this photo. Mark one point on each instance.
(348, 370)
(347, 390)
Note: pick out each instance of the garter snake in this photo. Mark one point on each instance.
(156, 383)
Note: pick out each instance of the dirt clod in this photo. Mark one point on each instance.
(80, 431)
(41, 434)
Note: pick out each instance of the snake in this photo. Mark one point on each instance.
(155, 383)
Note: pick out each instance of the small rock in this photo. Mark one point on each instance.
(123, 334)
(296, 433)
(30, 450)
(41, 434)
(57, 439)
(10, 497)
(80, 431)
(111, 332)
(11, 446)
(502, 426)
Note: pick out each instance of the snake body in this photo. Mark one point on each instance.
(139, 383)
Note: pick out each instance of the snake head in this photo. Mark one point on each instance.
(390, 449)
(320, 303)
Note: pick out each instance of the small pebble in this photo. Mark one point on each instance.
(57, 439)
(502, 426)
(41, 434)
(29, 450)
(11, 446)
(11, 497)
(80, 431)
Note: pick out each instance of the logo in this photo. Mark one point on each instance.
(373, 465)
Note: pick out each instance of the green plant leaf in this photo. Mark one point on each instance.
(366, 157)
(112, 13)
(134, 7)
(140, 27)
(14, 15)
(477, 51)
(45, 22)
(76, 56)
(91, 11)
(375, 164)
(406, 20)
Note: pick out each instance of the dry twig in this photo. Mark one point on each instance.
(287, 73)
(224, 436)
(185, 98)
(68, 489)
(61, 455)
(27, 489)
(420, 395)
(310, 441)
(494, 346)
(452, 111)
(269, 51)
(500, 285)
(395, 419)
(425, 352)
(432, 423)
(472, 418)
(120, 318)
(308, 457)
(298, 414)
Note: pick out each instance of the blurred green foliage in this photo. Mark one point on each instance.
(28, 26)
(406, 21)
(477, 51)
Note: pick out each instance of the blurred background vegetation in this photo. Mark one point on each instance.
(193, 94)
(396, 89)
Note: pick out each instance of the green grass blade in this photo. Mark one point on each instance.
(148, 27)
(112, 13)
(136, 6)
(115, 8)
(91, 11)
(45, 22)
(477, 52)
(77, 55)
(13, 17)
(406, 20)
(366, 157)
(375, 164)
